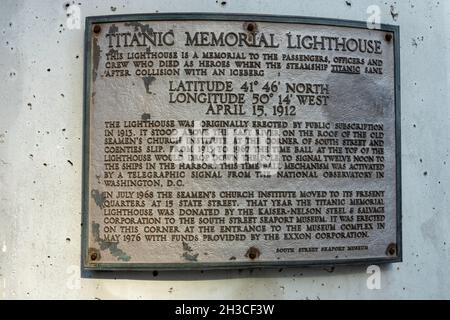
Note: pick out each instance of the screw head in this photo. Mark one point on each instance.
(388, 37)
(391, 249)
(253, 253)
(97, 28)
(250, 26)
(94, 255)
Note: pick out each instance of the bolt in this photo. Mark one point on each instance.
(253, 253)
(391, 249)
(97, 28)
(250, 26)
(388, 37)
(93, 256)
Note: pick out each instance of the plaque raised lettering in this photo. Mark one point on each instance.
(215, 141)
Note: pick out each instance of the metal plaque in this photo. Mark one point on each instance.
(231, 141)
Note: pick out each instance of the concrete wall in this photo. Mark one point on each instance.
(41, 76)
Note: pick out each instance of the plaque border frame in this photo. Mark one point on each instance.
(120, 266)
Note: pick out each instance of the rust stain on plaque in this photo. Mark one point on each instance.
(111, 246)
(96, 51)
(187, 254)
(98, 198)
(147, 82)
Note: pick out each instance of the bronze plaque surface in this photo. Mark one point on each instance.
(237, 141)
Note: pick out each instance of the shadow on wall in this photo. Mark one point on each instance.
(196, 275)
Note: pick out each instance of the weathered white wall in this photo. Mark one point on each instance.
(41, 79)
